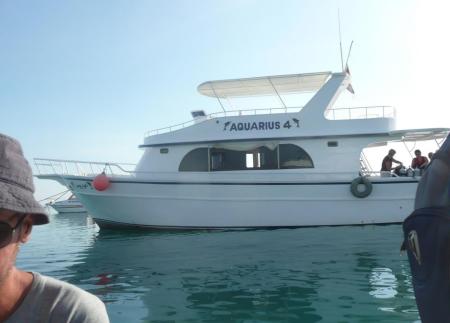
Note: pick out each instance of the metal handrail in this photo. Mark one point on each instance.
(78, 167)
(387, 111)
(81, 161)
(63, 167)
(231, 113)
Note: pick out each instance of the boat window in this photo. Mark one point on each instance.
(217, 160)
(195, 161)
(292, 156)
(283, 156)
(268, 158)
(259, 158)
(253, 160)
(225, 159)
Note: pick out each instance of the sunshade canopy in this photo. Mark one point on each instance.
(266, 85)
(421, 134)
(413, 135)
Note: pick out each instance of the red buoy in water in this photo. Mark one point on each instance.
(101, 182)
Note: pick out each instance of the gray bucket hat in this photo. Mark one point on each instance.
(16, 182)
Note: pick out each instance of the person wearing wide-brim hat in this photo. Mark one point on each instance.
(30, 296)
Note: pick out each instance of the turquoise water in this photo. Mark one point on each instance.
(327, 274)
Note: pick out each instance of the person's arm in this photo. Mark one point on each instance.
(396, 161)
(434, 185)
(425, 162)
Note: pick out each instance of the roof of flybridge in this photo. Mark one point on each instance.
(265, 85)
(414, 135)
(421, 134)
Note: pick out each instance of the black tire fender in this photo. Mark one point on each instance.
(361, 180)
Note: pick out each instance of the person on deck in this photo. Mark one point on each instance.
(419, 162)
(29, 296)
(386, 165)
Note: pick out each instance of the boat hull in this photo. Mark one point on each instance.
(184, 205)
(68, 207)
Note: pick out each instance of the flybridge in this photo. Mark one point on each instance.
(317, 118)
(276, 85)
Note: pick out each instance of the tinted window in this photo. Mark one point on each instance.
(195, 161)
(225, 159)
(292, 156)
(259, 158)
(269, 158)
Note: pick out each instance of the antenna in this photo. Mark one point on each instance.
(340, 39)
(348, 56)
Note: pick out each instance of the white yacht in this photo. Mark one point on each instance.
(71, 205)
(288, 167)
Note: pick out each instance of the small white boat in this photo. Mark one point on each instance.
(286, 167)
(71, 205)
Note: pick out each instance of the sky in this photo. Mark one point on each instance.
(85, 80)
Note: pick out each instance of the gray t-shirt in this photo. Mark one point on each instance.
(52, 300)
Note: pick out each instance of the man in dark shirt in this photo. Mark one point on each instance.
(386, 165)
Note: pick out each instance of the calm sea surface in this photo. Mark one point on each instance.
(328, 274)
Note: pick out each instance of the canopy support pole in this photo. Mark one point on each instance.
(409, 150)
(439, 144)
(217, 97)
(279, 97)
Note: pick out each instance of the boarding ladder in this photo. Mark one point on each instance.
(366, 168)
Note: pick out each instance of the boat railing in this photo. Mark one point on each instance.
(63, 167)
(369, 112)
(231, 113)
(80, 168)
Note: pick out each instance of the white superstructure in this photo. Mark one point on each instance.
(254, 168)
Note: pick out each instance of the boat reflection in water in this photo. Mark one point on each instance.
(308, 275)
